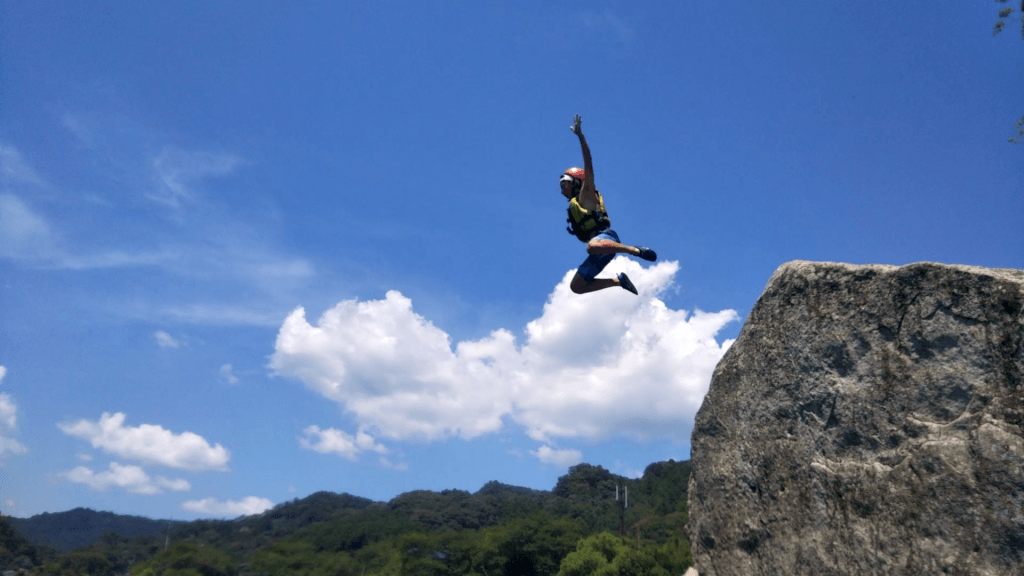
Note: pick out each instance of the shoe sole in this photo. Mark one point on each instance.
(627, 284)
(648, 254)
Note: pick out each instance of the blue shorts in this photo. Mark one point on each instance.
(594, 263)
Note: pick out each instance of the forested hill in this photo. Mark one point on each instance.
(342, 523)
(82, 526)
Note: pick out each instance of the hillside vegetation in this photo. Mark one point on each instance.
(500, 530)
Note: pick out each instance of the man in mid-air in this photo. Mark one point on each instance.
(589, 222)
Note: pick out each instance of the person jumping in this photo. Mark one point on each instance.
(589, 222)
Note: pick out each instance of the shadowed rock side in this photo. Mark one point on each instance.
(868, 420)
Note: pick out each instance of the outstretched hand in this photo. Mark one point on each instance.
(576, 125)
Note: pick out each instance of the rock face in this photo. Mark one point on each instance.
(868, 420)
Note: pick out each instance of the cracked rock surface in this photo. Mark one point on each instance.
(867, 420)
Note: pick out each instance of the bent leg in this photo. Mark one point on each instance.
(598, 245)
(580, 285)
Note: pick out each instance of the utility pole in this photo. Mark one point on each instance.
(622, 505)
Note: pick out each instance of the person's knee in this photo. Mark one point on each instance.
(577, 284)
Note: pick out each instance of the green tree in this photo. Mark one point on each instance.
(607, 555)
(293, 557)
(78, 562)
(187, 560)
(1004, 13)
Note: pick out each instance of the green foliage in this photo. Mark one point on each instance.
(1003, 15)
(188, 559)
(292, 557)
(500, 530)
(78, 562)
(607, 555)
(529, 546)
(356, 530)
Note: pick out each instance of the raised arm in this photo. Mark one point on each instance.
(588, 193)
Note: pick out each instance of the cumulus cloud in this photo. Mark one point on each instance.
(601, 365)
(229, 508)
(149, 443)
(332, 441)
(131, 478)
(560, 458)
(396, 370)
(165, 340)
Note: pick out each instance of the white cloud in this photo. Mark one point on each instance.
(8, 423)
(149, 443)
(13, 167)
(227, 373)
(332, 441)
(600, 365)
(217, 314)
(229, 508)
(561, 458)
(396, 370)
(165, 340)
(10, 446)
(385, 462)
(8, 410)
(627, 471)
(131, 478)
(23, 234)
(201, 238)
(178, 170)
(8, 413)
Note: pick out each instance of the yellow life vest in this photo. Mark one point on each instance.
(584, 223)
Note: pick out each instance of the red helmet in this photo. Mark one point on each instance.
(576, 173)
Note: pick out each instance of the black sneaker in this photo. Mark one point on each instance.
(647, 254)
(625, 283)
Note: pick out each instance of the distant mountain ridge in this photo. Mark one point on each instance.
(72, 529)
(348, 522)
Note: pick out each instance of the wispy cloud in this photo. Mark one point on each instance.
(24, 234)
(178, 171)
(165, 209)
(165, 340)
(215, 314)
(13, 167)
(607, 23)
(599, 366)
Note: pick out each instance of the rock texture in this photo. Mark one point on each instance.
(868, 420)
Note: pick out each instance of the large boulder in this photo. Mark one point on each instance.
(867, 420)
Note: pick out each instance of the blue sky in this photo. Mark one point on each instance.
(249, 251)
